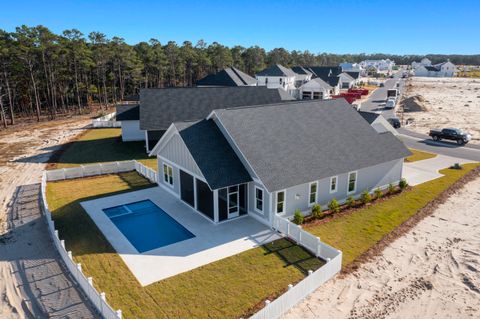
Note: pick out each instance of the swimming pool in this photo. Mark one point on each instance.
(147, 226)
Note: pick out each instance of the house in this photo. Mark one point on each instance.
(302, 75)
(277, 76)
(423, 62)
(129, 116)
(274, 159)
(378, 122)
(378, 65)
(346, 80)
(227, 77)
(445, 69)
(160, 107)
(315, 89)
(355, 67)
(356, 75)
(329, 74)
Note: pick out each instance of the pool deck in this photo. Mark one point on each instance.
(211, 242)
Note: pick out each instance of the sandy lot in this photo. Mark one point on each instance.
(22, 157)
(431, 272)
(448, 102)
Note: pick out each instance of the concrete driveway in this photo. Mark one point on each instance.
(423, 171)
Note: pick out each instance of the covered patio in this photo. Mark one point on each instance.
(211, 242)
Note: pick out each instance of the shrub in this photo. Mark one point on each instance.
(391, 189)
(378, 193)
(298, 217)
(403, 184)
(350, 201)
(317, 211)
(333, 206)
(456, 166)
(365, 197)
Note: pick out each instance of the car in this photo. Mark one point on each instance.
(390, 103)
(453, 134)
(381, 84)
(395, 122)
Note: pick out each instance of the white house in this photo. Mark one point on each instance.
(302, 75)
(315, 89)
(379, 65)
(356, 67)
(346, 80)
(445, 69)
(277, 77)
(423, 62)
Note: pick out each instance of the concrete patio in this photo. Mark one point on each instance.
(211, 242)
(423, 171)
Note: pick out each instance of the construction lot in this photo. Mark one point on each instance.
(442, 102)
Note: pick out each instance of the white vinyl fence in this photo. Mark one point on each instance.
(295, 294)
(106, 121)
(86, 283)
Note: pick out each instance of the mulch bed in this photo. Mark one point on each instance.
(406, 226)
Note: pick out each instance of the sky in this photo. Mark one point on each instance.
(341, 26)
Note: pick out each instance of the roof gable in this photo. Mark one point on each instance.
(227, 77)
(276, 70)
(127, 112)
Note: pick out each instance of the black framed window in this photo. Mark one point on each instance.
(187, 190)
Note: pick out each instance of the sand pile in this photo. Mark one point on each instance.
(415, 103)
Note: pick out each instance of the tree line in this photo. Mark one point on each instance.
(46, 74)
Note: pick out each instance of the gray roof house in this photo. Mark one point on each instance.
(228, 77)
(273, 159)
(158, 108)
(277, 76)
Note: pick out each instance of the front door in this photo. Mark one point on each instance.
(233, 200)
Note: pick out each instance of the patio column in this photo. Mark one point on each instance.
(215, 206)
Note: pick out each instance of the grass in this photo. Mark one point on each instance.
(228, 288)
(355, 233)
(419, 156)
(102, 145)
(469, 74)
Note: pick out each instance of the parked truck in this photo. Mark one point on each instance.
(392, 93)
(453, 134)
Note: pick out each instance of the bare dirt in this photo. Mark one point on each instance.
(435, 103)
(433, 271)
(23, 153)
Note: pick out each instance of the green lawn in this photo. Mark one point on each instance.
(102, 145)
(355, 233)
(228, 288)
(419, 156)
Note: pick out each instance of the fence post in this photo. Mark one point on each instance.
(56, 233)
(69, 254)
(288, 229)
(118, 167)
(83, 170)
(290, 286)
(119, 314)
(64, 173)
(319, 247)
(300, 234)
(62, 243)
(310, 272)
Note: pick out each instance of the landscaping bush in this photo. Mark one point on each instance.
(334, 206)
(365, 197)
(350, 201)
(378, 193)
(391, 189)
(298, 217)
(403, 184)
(317, 211)
(456, 166)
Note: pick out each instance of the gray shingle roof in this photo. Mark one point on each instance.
(276, 70)
(327, 73)
(227, 77)
(161, 107)
(320, 82)
(127, 112)
(300, 70)
(296, 143)
(354, 74)
(370, 117)
(214, 156)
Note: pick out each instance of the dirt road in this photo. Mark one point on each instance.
(431, 272)
(32, 280)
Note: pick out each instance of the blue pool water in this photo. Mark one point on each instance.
(146, 225)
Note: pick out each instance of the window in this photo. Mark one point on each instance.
(333, 184)
(266, 80)
(352, 182)
(312, 199)
(306, 95)
(259, 199)
(168, 174)
(280, 202)
(280, 80)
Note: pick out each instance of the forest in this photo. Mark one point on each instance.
(43, 74)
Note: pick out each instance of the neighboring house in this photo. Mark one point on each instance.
(129, 116)
(378, 122)
(378, 65)
(227, 77)
(161, 107)
(423, 62)
(351, 67)
(315, 89)
(346, 80)
(329, 74)
(356, 75)
(277, 76)
(445, 69)
(274, 159)
(302, 75)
